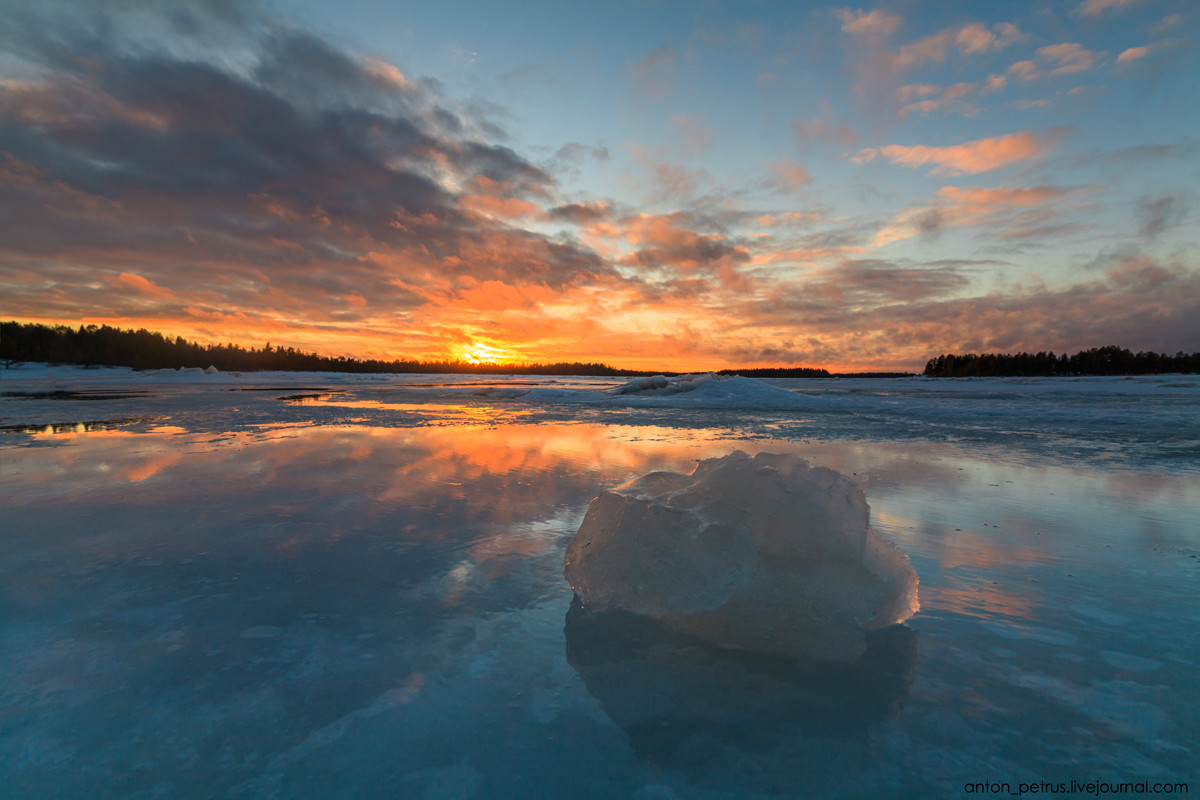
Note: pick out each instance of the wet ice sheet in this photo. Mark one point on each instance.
(1150, 422)
(248, 597)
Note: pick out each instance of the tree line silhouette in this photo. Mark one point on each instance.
(1111, 360)
(103, 345)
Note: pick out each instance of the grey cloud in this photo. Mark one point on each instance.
(876, 280)
(1140, 302)
(931, 221)
(699, 251)
(574, 152)
(581, 213)
(652, 74)
(1166, 211)
(1136, 155)
(291, 157)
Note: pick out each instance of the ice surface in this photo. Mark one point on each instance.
(210, 589)
(765, 553)
(689, 392)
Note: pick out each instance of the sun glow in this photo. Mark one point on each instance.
(477, 353)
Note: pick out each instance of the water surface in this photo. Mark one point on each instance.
(207, 592)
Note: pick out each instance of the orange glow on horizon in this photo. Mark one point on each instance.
(478, 353)
(635, 351)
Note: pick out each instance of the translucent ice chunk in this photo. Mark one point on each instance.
(765, 553)
(661, 384)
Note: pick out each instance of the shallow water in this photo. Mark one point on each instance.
(216, 593)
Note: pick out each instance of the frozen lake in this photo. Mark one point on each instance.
(314, 585)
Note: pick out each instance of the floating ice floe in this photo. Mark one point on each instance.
(765, 553)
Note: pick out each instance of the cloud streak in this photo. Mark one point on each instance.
(1007, 211)
(968, 158)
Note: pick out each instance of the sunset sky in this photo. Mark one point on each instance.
(654, 185)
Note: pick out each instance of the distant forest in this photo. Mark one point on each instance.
(101, 345)
(1110, 360)
(104, 346)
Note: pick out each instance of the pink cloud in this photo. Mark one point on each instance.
(1067, 58)
(1167, 22)
(926, 97)
(976, 38)
(969, 158)
(1025, 70)
(970, 39)
(1092, 8)
(772, 220)
(932, 48)
(824, 128)
(873, 24)
(994, 83)
(1132, 54)
(880, 66)
(789, 174)
(386, 73)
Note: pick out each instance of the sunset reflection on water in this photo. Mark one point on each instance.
(935, 501)
(293, 578)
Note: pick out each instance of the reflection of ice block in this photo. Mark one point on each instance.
(763, 553)
(669, 690)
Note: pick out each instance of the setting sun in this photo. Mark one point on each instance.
(476, 353)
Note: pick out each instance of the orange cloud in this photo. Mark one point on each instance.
(142, 285)
(387, 73)
(969, 158)
(500, 296)
(502, 207)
